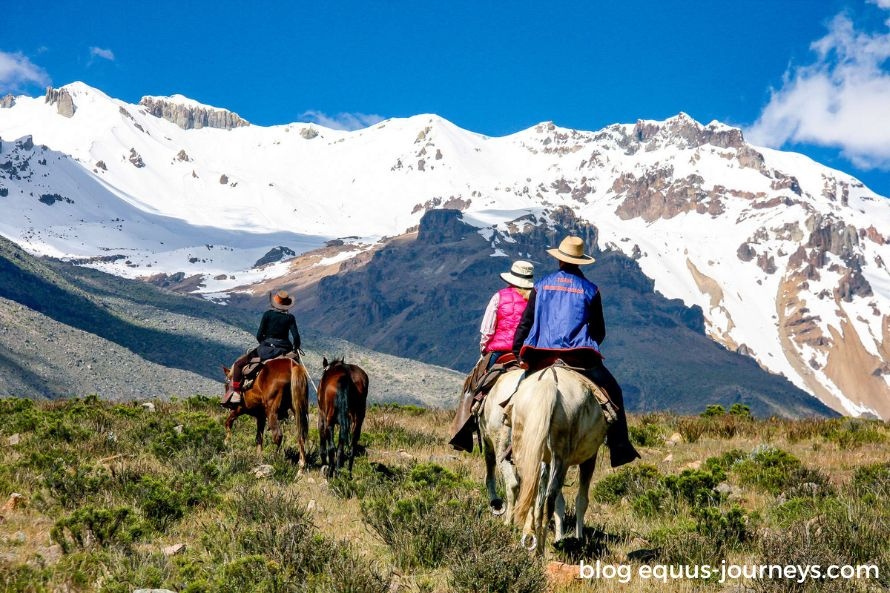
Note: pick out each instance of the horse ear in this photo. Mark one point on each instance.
(324, 362)
(225, 370)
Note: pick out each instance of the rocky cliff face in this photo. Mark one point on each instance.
(190, 117)
(61, 98)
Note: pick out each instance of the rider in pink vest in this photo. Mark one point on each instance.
(505, 309)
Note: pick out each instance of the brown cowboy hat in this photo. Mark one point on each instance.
(571, 251)
(281, 301)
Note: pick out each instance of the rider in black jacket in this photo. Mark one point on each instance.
(277, 327)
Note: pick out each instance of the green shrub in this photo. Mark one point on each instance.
(872, 480)
(713, 410)
(695, 487)
(365, 478)
(768, 468)
(651, 502)
(727, 529)
(721, 464)
(497, 570)
(72, 484)
(197, 435)
(97, 526)
(164, 501)
(628, 481)
(646, 435)
(854, 433)
(740, 410)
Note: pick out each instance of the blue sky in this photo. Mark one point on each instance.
(492, 67)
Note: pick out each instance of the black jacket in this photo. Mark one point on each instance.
(276, 325)
(595, 322)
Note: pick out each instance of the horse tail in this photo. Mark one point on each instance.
(341, 402)
(299, 396)
(529, 450)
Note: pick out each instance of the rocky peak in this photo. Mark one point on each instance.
(190, 115)
(7, 101)
(61, 98)
(681, 130)
(442, 226)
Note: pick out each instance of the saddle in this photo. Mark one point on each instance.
(253, 367)
(477, 385)
(610, 410)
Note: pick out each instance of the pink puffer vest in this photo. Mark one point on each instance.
(511, 305)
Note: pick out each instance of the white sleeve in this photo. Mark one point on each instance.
(489, 321)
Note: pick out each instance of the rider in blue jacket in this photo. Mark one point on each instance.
(564, 319)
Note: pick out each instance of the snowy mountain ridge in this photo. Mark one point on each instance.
(785, 257)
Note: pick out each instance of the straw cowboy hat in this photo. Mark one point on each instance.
(571, 251)
(521, 275)
(281, 301)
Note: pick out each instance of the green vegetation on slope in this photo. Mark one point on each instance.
(109, 490)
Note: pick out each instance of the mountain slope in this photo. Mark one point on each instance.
(68, 330)
(785, 257)
(421, 296)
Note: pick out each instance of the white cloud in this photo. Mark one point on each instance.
(342, 121)
(17, 71)
(98, 52)
(841, 100)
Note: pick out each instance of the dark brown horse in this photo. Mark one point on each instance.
(342, 400)
(281, 387)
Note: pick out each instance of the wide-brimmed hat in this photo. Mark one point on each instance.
(521, 274)
(571, 251)
(281, 301)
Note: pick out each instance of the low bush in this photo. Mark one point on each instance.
(768, 468)
(629, 481)
(96, 526)
(695, 487)
(646, 435)
(872, 480)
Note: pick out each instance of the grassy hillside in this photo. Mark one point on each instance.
(72, 331)
(110, 491)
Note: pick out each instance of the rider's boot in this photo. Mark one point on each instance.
(233, 397)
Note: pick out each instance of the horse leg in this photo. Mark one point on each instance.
(585, 474)
(495, 503)
(356, 433)
(342, 436)
(559, 516)
(508, 472)
(260, 428)
(539, 520)
(275, 428)
(229, 421)
(553, 491)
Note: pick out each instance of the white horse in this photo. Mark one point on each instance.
(495, 443)
(557, 422)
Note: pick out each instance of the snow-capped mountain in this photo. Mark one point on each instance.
(785, 257)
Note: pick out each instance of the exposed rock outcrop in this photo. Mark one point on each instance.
(61, 98)
(182, 155)
(7, 101)
(274, 255)
(190, 117)
(657, 194)
(688, 133)
(136, 159)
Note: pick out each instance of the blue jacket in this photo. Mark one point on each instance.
(563, 304)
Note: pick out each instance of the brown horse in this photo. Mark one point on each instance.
(342, 400)
(281, 387)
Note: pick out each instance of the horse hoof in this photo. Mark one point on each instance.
(498, 507)
(529, 541)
